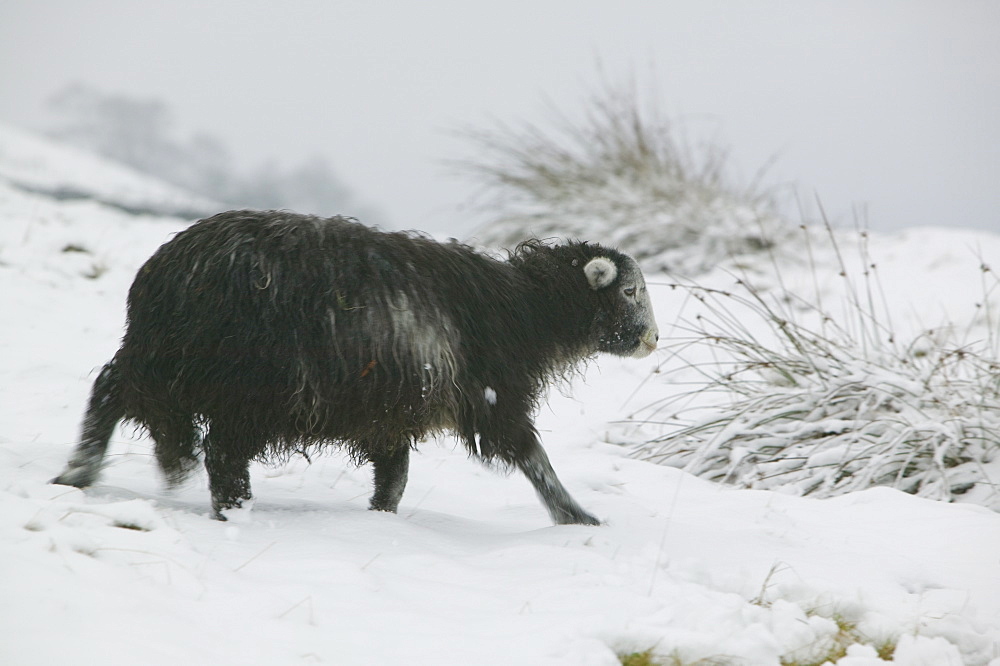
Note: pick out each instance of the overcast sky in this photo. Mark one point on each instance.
(892, 104)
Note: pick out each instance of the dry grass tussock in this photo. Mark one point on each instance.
(619, 172)
(821, 404)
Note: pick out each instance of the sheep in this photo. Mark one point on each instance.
(254, 335)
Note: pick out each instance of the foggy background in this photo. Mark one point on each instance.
(889, 106)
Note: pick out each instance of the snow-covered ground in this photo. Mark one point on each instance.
(38, 164)
(470, 570)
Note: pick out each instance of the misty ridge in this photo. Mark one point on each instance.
(140, 133)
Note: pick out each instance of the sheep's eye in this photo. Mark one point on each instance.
(630, 291)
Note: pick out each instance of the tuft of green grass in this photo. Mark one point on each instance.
(827, 649)
(644, 658)
(650, 657)
(96, 270)
(885, 648)
(833, 648)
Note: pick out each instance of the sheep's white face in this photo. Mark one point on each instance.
(625, 325)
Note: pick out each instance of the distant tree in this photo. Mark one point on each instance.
(207, 167)
(141, 134)
(133, 131)
(313, 186)
(260, 188)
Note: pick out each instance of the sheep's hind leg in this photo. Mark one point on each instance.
(176, 447)
(227, 460)
(391, 470)
(104, 411)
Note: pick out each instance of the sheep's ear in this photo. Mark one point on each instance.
(600, 272)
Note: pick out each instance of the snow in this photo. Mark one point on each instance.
(470, 570)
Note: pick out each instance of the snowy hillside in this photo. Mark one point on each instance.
(470, 571)
(33, 163)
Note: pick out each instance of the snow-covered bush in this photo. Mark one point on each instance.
(619, 173)
(821, 404)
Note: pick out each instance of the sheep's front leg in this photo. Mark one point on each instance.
(561, 506)
(519, 445)
(507, 433)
